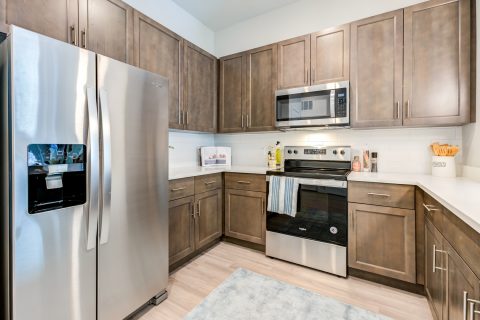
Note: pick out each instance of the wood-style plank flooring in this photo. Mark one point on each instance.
(189, 285)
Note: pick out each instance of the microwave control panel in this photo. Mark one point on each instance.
(341, 103)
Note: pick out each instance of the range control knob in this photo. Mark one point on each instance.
(342, 152)
(289, 151)
(333, 230)
(295, 151)
(335, 152)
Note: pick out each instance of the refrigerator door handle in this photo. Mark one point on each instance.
(106, 167)
(94, 175)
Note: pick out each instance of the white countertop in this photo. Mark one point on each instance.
(185, 172)
(459, 195)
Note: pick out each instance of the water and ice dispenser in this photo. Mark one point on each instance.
(57, 176)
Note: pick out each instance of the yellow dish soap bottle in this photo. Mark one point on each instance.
(278, 154)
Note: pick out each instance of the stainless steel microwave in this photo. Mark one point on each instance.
(323, 105)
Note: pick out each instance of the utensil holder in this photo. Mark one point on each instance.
(444, 167)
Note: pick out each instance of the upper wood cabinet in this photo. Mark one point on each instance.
(159, 50)
(54, 18)
(200, 89)
(248, 82)
(103, 26)
(376, 71)
(330, 55)
(261, 83)
(437, 63)
(232, 93)
(106, 27)
(294, 62)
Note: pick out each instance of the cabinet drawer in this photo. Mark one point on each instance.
(382, 194)
(243, 181)
(208, 183)
(181, 188)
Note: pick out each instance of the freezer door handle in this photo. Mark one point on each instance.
(106, 167)
(94, 174)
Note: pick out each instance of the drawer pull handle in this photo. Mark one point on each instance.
(243, 182)
(430, 207)
(178, 189)
(210, 182)
(378, 194)
(434, 260)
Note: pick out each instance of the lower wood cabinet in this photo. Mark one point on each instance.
(381, 240)
(452, 288)
(195, 221)
(208, 219)
(245, 215)
(181, 239)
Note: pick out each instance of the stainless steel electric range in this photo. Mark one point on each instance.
(316, 236)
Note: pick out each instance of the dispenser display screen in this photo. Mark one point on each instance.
(56, 176)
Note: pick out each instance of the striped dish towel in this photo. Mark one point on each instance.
(282, 195)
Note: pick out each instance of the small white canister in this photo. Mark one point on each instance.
(444, 167)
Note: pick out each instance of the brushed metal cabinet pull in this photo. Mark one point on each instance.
(397, 115)
(471, 303)
(186, 118)
(178, 189)
(83, 38)
(429, 207)
(242, 120)
(378, 194)
(73, 35)
(180, 117)
(248, 121)
(313, 75)
(408, 109)
(198, 206)
(243, 182)
(434, 260)
(210, 182)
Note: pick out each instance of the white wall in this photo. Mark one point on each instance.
(175, 18)
(185, 148)
(298, 18)
(399, 150)
(471, 132)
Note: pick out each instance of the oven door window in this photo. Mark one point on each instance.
(304, 106)
(321, 215)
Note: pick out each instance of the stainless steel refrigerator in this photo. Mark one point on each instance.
(84, 178)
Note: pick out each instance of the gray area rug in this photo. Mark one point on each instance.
(248, 295)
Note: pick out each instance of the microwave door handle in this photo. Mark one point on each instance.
(332, 103)
(94, 172)
(106, 168)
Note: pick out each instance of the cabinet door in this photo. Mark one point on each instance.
(260, 88)
(437, 63)
(376, 71)
(106, 27)
(200, 89)
(159, 50)
(294, 62)
(381, 240)
(208, 223)
(181, 229)
(330, 55)
(462, 284)
(245, 215)
(232, 93)
(434, 275)
(54, 18)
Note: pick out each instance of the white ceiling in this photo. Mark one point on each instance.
(220, 14)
